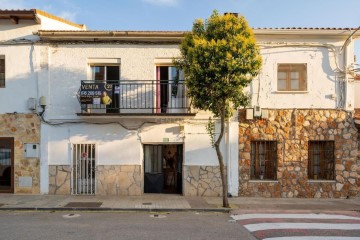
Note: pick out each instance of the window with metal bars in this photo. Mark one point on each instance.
(321, 164)
(263, 160)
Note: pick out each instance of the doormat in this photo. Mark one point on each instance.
(84, 204)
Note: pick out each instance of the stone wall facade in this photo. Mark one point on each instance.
(124, 180)
(24, 128)
(59, 179)
(292, 129)
(202, 181)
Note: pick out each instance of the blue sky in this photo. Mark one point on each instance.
(179, 14)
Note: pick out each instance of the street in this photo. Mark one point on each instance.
(293, 225)
(117, 225)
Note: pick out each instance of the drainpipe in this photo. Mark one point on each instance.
(228, 154)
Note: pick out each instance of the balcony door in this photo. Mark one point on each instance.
(169, 94)
(6, 165)
(110, 75)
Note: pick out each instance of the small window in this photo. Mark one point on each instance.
(291, 77)
(263, 160)
(2, 71)
(321, 160)
(105, 73)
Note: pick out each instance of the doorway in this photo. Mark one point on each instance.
(163, 168)
(6, 165)
(83, 169)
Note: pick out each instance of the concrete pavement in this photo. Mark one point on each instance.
(169, 202)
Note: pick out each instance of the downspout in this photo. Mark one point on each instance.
(228, 154)
(345, 70)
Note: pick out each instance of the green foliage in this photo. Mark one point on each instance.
(220, 58)
(210, 128)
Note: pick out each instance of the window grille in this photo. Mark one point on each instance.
(263, 160)
(321, 163)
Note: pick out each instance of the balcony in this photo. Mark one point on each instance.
(134, 98)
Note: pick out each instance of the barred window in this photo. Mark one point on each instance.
(263, 160)
(2, 71)
(321, 160)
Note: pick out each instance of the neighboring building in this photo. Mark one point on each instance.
(110, 115)
(304, 141)
(19, 91)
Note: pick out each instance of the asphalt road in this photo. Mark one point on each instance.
(116, 225)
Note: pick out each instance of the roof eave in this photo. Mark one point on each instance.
(111, 36)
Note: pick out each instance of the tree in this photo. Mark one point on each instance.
(220, 58)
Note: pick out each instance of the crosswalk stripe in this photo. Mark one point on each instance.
(297, 216)
(314, 238)
(268, 226)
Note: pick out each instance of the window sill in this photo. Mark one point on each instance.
(263, 181)
(321, 181)
(291, 92)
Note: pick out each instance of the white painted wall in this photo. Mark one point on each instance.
(23, 30)
(322, 77)
(69, 65)
(114, 144)
(21, 69)
(52, 24)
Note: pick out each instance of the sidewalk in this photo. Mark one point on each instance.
(167, 202)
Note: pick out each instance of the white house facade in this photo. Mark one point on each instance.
(106, 113)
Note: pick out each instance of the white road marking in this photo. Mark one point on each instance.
(294, 216)
(269, 226)
(313, 238)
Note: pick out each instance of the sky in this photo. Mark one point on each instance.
(178, 15)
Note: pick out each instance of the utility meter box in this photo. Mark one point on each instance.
(257, 111)
(32, 150)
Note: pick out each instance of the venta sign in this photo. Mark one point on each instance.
(96, 93)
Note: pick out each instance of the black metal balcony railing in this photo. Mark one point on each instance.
(133, 97)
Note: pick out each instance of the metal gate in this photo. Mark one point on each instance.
(83, 169)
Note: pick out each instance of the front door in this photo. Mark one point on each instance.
(83, 170)
(163, 168)
(6, 165)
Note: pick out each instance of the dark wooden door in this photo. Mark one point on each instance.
(6, 165)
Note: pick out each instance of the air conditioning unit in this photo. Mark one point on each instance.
(257, 111)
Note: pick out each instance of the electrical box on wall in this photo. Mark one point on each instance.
(31, 150)
(264, 113)
(257, 111)
(31, 104)
(249, 114)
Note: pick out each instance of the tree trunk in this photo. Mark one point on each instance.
(221, 160)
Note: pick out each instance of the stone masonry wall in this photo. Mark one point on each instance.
(59, 180)
(292, 129)
(123, 180)
(24, 128)
(110, 180)
(202, 181)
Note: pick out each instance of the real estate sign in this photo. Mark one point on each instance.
(96, 93)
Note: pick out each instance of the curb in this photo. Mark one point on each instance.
(81, 209)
